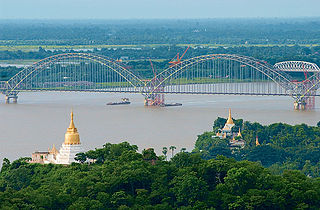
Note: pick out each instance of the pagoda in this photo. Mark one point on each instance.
(234, 138)
(71, 145)
(226, 130)
(69, 148)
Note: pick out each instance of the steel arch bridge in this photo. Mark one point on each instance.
(72, 72)
(207, 74)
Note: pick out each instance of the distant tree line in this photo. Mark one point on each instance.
(136, 60)
(117, 32)
(271, 54)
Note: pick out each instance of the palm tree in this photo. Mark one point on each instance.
(165, 151)
(172, 148)
(183, 149)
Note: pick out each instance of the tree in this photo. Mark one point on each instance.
(110, 152)
(266, 154)
(5, 164)
(172, 148)
(184, 159)
(239, 180)
(121, 198)
(210, 146)
(189, 189)
(81, 157)
(183, 150)
(219, 122)
(165, 151)
(149, 154)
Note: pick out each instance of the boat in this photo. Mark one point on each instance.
(123, 102)
(172, 104)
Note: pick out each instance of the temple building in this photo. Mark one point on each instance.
(39, 157)
(237, 141)
(226, 130)
(235, 138)
(69, 148)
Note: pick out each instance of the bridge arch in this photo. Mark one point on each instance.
(94, 73)
(296, 66)
(226, 74)
(309, 85)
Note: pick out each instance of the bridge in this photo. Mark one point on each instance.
(207, 74)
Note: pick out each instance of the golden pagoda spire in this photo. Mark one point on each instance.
(239, 133)
(71, 121)
(229, 121)
(257, 141)
(72, 135)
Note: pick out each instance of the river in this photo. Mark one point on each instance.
(40, 119)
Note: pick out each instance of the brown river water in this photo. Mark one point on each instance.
(40, 119)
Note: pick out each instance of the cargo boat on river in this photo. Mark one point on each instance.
(171, 104)
(123, 102)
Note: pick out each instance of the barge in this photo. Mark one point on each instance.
(123, 102)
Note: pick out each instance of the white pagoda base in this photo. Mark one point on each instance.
(67, 153)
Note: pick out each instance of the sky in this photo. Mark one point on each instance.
(156, 9)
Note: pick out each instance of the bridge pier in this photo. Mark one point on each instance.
(303, 105)
(300, 105)
(14, 98)
(156, 99)
(146, 103)
(7, 99)
(296, 105)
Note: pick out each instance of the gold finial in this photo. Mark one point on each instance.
(72, 135)
(239, 133)
(229, 121)
(257, 141)
(71, 121)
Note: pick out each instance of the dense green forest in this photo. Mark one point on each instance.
(282, 146)
(281, 173)
(122, 178)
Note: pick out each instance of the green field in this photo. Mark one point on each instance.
(19, 61)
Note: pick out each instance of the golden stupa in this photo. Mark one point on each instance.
(257, 141)
(239, 133)
(54, 150)
(230, 121)
(72, 135)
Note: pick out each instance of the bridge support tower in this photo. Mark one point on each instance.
(155, 99)
(296, 105)
(302, 105)
(13, 97)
